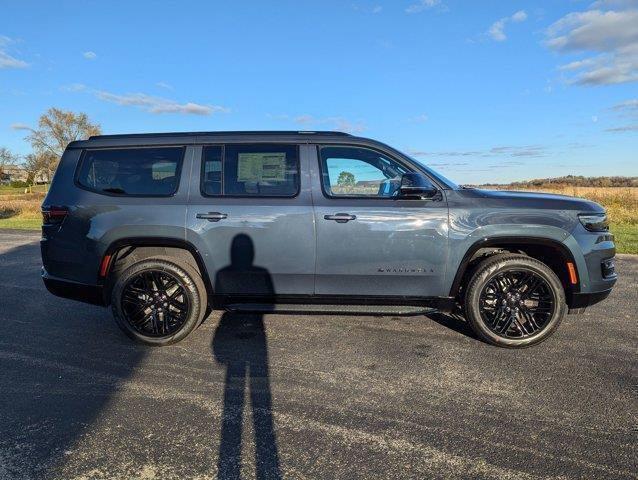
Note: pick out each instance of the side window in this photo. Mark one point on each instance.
(262, 170)
(212, 171)
(359, 172)
(131, 171)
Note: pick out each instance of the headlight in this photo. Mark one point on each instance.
(596, 222)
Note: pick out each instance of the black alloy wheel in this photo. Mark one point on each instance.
(517, 304)
(157, 301)
(154, 303)
(513, 300)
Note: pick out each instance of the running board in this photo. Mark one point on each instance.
(329, 309)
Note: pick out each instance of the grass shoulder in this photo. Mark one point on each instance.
(21, 223)
(9, 190)
(626, 236)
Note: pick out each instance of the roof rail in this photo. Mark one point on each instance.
(221, 133)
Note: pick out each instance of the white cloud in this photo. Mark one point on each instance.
(519, 16)
(420, 118)
(623, 129)
(608, 38)
(577, 65)
(305, 119)
(626, 110)
(343, 125)
(6, 60)
(336, 123)
(628, 105)
(89, 55)
(148, 103)
(422, 5)
(278, 116)
(594, 30)
(367, 8)
(497, 30)
(20, 126)
(158, 105)
(165, 85)
(614, 3)
(498, 151)
(74, 87)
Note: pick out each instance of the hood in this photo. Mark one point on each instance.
(538, 200)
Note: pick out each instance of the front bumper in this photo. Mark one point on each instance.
(93, 294)
(579, 301)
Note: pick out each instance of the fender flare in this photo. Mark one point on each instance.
(495, 241)
(157, 242)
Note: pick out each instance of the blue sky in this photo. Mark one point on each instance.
(479, 90)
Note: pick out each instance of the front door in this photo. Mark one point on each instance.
(370, 242)
(250, 215)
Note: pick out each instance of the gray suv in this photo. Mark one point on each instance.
(164, 227)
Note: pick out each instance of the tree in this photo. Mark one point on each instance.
(57, 128)
(40, 166)
(7, 157)
(346, 179)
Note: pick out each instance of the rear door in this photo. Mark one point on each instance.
(370, 243)
(250, 215)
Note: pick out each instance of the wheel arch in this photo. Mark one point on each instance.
(553, 253)
(140, 248)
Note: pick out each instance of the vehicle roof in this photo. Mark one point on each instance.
(188, 138)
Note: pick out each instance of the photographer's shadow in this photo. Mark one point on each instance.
(240, 343)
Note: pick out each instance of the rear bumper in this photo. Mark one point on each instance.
(93, 294)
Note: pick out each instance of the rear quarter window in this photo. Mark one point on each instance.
(131, 171)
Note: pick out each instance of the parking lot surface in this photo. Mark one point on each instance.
(309, 396)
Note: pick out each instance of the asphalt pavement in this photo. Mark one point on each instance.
(309, 396)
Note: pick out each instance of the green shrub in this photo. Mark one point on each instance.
(19, 184)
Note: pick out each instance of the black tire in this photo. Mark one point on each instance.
(179, 287)
(514, 301)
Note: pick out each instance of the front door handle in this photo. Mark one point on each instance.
(212, 216)
(340, 217)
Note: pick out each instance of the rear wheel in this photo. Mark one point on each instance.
(514, 301)
(157, 302)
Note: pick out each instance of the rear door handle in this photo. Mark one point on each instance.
(340, 217)
(212, 216)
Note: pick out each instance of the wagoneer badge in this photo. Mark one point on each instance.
(400, 270)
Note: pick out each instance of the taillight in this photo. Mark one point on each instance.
(54, 215)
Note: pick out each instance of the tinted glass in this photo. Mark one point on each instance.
(353, 171)
(132, 171)
(212, 171)
(251, 170)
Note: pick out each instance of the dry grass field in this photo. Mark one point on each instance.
(19, 210)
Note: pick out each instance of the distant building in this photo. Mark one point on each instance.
(16, 173)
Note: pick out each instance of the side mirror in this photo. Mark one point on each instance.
(416, 185)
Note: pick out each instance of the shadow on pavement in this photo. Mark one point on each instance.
(60, 364)
(240, 343)
(453, 321)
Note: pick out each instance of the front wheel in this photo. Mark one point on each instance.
(157, 302)
(514, 301)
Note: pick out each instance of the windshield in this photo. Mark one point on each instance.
(436, 175)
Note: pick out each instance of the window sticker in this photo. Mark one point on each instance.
(261, 167)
